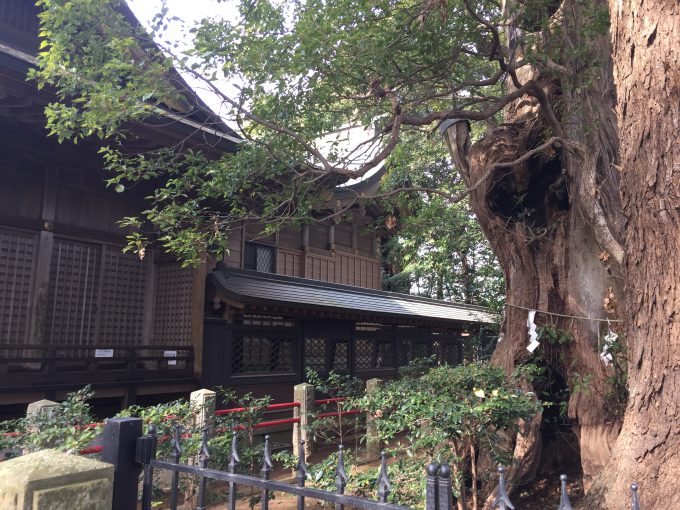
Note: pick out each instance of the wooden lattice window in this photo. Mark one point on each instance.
(17, 264)
(413, 343)
(172, 320)
(259, 257)
(374, 346)
(326, 354)
(262, 354)
(96, 295)
(73, 292)
(123, 288)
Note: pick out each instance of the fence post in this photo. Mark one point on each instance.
(372, 439)
(431, 500)
(445, 488)
(41, 407)
(119, 440)
(303, 393)
(202, 402)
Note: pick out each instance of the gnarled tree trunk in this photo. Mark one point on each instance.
(553, 218)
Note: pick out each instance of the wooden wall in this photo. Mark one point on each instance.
(344, 253)
(64, 279)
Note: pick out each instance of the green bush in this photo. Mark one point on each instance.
(447, 414)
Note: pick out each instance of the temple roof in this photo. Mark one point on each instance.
(251, 287)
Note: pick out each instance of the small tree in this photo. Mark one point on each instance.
(336, 427)
(448, 413)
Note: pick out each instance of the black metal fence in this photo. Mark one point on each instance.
(132, 453)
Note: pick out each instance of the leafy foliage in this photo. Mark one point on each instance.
(62, 427)
(335, 428)
(449, 413)
(300, 70)
(437, 248)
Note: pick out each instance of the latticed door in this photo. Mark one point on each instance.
(96, 295)
(18, 252)
(172, 319)
(73, 292)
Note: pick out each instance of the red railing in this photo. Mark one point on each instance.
(91, 450)
(341, 413)
(264, 424)
(271, 407)
(326, 401)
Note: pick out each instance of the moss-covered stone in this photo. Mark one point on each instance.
(52, 480)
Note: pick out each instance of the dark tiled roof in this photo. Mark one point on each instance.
(262, 288)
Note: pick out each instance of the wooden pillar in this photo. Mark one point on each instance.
(305, 250)
(197, 316)
(149, 299)
(331, 237)
(39, 304)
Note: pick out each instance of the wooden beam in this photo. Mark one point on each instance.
(197, 316)
(41, 288)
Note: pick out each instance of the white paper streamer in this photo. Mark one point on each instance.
(533, 336)
(609, 339)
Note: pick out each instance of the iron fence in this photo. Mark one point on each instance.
(132, 453)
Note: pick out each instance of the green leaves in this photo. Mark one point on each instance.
(447, 410)
(286, 74)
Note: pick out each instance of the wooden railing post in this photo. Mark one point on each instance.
(303, 393)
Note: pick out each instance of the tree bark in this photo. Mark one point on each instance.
(646, 57)
(554, 221)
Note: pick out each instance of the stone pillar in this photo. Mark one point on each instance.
(303, 393)
(203, 404)
(372, 439)
(52, 480)
(41, 407)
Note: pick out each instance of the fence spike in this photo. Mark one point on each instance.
(302, 469)
(204, 454)
(340, 473)
(384, 485)
(235, 459)
(176, 455)
(267, 463)
(635, 502)
(177, 443)
(564, 504)
(502, 501)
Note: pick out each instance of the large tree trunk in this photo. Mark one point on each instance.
(647, 73)
(554, 221)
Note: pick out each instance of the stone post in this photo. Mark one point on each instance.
(372, 439)
(203, 404)
(50, 479)
(303, 393)
(41, 407)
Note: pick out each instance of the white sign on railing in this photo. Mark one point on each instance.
(103, 353)
(170, 354)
